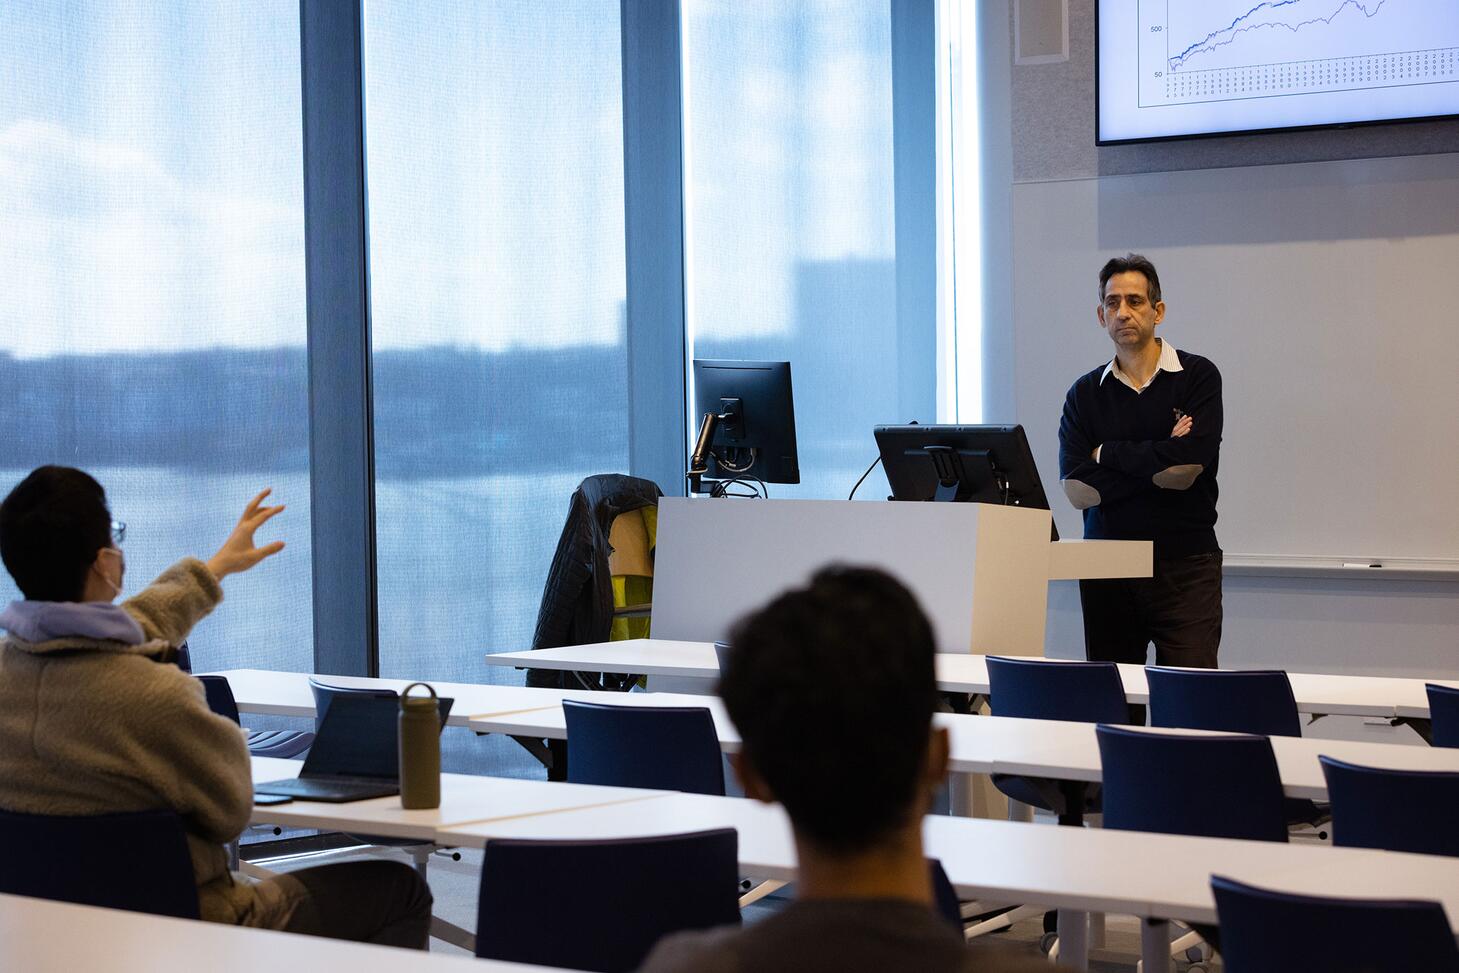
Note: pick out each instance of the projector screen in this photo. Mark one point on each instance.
(1179, 68)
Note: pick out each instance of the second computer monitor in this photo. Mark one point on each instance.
(980, 464)
(754, 435)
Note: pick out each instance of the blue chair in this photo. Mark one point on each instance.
(1396, 810)
(662, 747)
(1041, 689)
(1256, 701)
(1275, 932)
(137, 861)
(1443, 715)
(602, 905)
(1214, 786)
(1038, 689)
(261, 743)
(945, 896)
(1228, 700)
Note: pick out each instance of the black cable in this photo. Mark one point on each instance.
(864, 476)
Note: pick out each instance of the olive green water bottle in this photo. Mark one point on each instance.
(420, 749)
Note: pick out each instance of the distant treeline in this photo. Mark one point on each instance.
(438, 411)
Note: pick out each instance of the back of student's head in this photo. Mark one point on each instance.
(832, 688)
(51, 526)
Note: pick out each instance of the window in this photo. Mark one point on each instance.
(494, 135)
(790, 242)
(152, 285)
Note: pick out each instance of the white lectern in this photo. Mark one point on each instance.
(981, 571)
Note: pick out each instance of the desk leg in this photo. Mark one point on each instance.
(1074, 939)
(972, 795)
(1154, 946)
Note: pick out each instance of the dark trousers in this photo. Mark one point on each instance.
(1179, 609)
(366, 901)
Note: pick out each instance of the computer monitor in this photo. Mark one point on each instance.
(977, 464)
(747, 422)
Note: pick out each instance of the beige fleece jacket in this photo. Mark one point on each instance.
(97, 727)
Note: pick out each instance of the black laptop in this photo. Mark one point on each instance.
(355, 754)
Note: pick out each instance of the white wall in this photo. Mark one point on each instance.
(1058, 242)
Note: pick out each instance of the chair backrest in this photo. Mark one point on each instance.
(722, 652)
(220, 696)
(665, 747)
(1275, 932)
(1228, 700)
(944, 895)
(1443, 714)
(601, 905)
(1214, 786)
(1397, 810)
(1041, 689)
(325, 693)
(137, 861)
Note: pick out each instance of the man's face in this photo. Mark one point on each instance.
(1126, 313)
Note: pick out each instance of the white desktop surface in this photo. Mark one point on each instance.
(1413, 697)
(464, 798)
(1335, 695)
(288, 694)
(653, 657)
(551, 722)
(1071, 751)
(766, 849)
(1086, 869)
(39, 936)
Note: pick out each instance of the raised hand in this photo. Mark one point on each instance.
(238, 552)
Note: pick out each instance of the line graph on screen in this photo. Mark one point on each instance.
(1195, 51)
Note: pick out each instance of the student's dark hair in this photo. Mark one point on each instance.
(1136, 262)
(832, 688)
(51, 526)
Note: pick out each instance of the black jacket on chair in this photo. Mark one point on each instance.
(577, 602)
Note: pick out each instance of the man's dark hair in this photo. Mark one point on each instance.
(832, 688)
(1136, 262)
(51, 526)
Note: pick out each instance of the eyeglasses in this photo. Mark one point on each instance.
(118, 531)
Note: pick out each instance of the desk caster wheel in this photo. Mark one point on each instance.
(1048, 942)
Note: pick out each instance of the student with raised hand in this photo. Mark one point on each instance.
(95, 720)
(832, 689)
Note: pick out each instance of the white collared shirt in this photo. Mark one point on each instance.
(1169, 362)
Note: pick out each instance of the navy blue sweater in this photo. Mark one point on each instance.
(1146, 485)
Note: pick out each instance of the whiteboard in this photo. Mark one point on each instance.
(1328, 296)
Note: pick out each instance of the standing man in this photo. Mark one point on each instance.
(1138, 450)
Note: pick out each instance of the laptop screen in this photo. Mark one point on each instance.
(359, 737)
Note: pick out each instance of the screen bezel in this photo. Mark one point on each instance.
(1101, 142)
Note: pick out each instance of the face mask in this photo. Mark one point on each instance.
(115, 586)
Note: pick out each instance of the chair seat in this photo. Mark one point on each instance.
(1299, 810)
(279, 743)
(1046, 793)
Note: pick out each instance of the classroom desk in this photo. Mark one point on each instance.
(1070, 751)
(40, 936)
(271, 693)
(1075, 870)
(1316, 693)
(464, 798)
(1037, 748)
